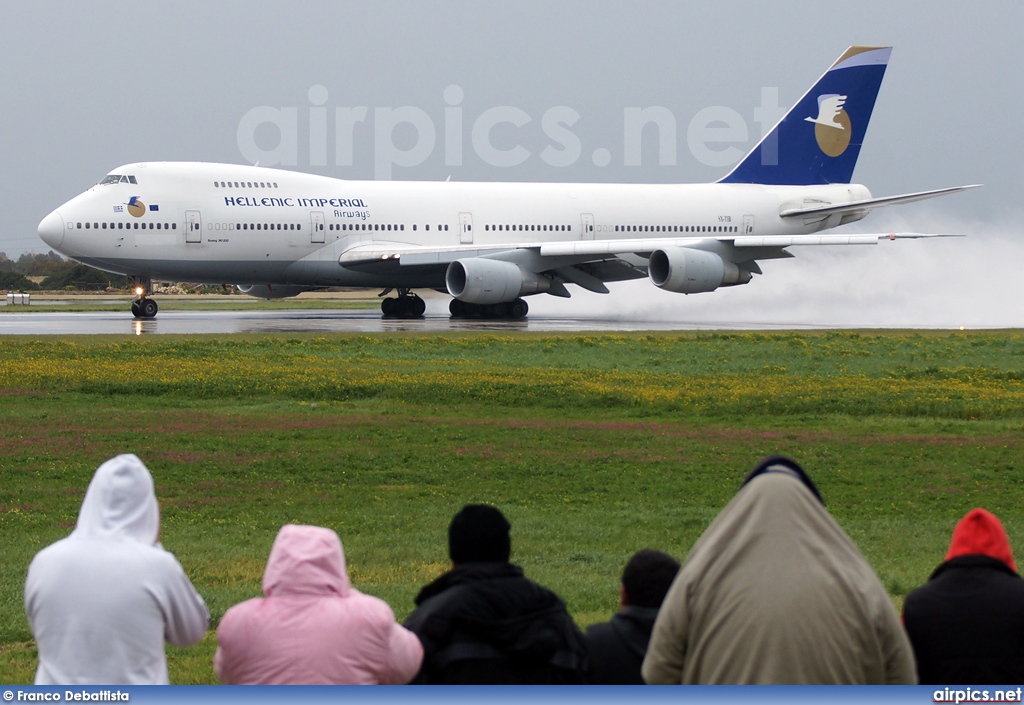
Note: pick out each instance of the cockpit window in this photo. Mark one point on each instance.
(118, 179)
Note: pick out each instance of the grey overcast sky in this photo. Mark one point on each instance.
(90, 86)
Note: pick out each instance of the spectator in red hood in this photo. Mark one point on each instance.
(966, 623)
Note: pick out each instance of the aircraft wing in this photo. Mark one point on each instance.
(593, 250)
(869, 203)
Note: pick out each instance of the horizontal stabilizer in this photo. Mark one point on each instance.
(869, 203)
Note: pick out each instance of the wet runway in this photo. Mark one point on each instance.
(299, 321)
(546, 316)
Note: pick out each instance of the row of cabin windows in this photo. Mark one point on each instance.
(253, 226)
(380, 226)
(676, 229)
(369, 226)
(401, 227)
(331, 226)
(128, 226)
(244, 184)
(542, 228)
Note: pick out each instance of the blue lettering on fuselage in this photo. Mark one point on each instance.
(293, 202)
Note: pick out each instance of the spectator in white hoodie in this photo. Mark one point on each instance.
(102, 601)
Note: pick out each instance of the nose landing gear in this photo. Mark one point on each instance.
(143, 306)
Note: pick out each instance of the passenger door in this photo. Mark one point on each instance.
(316, 233)
(193, 226)
(466, 228)
(587, 229)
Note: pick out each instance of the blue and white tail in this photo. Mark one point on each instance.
(819, 140)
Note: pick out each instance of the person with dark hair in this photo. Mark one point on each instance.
(774, 592)
(484, 622)
(616, 648)
(966, 623)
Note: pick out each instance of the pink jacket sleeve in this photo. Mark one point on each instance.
(405, 654)
(232, 639)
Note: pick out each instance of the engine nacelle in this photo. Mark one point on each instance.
(688, 271)
(272, 291)
(478, 280)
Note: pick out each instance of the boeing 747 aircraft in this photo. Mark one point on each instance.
(277, 233)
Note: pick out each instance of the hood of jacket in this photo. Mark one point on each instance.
(120, 503)
(980, 533)
(306, 560)
(498, 605)
(773, 511)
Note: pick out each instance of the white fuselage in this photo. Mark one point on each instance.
(222, 223)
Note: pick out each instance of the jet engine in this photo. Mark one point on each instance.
(272, 291)
(688, 271)
(489, 281)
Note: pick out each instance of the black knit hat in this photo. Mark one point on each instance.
(479, 534)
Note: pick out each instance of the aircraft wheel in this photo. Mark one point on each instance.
(417, 307)
(136, 309)
(499, 310)
(389, 307)
(148, 308)
(457, 308)
(518, 309)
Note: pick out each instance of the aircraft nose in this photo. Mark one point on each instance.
(51, 230)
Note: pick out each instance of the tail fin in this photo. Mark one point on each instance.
(819, 139)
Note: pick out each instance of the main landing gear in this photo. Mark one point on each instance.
(405, 305)
(142, 306)
(514, 310)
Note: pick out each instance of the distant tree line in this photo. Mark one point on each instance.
(57, 273)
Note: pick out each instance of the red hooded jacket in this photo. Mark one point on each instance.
(966, 623)
(980, 533)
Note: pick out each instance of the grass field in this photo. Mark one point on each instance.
(593, 445)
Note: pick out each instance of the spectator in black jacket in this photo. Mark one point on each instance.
(483, 622)
(966, 623)
(617, 647)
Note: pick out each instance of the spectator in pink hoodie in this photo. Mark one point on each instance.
(313, 627)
